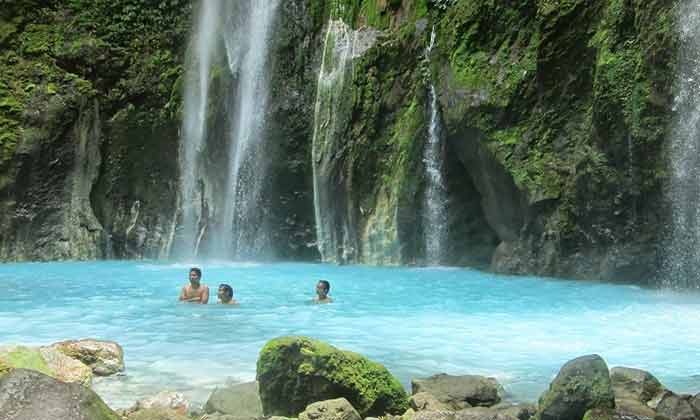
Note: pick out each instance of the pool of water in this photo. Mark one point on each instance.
(417, 322)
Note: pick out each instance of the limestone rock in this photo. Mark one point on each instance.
(582, 384)
(637, 384)
(676, 407)
(337, 409)
(424, 401)
(459, 392)
(31, 395)
(293, 372)
(103, 357)
(65, 368)
(165, 400)
(239, 400)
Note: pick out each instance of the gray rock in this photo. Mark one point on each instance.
(30, 395)
(484, 413)
(582, 384)
(634, 384)
(459, 392)
(424, 401)
(167, 400)
(628, 407)
(337, 409)
(240, 400)
(676, 407)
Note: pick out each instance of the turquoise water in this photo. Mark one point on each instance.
(417, 322)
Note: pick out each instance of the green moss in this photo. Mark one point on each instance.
(24, 358)
(296, 371)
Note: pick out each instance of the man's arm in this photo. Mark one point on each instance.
(183, 293)
(205, 296)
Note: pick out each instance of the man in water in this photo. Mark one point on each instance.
(322, 289)
(195, 292)
(225, 295)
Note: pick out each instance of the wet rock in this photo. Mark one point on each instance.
(166, 400)
(676, 407)
(240, 399)
(459, 392)
(31, 395)
(103, 357)
(337, 409)
(296, 371)
(582, 384)
(424, 401)
(634, 384)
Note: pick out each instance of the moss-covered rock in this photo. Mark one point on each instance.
(294, 372)
(45, 360)
(581, 385)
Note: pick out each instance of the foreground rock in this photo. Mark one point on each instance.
(103, 357)
(634, 384)
(45, 360)
(337, 409)
(424, 401)
(581, 385)
(294, 372)
(241, 400)
(459, 392)
(31, 395)
(676, 407)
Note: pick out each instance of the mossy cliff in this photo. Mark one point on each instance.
(556, 116)
(555, 113)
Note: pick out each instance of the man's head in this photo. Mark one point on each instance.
(195, 276)
(225, 293)
(322, 289)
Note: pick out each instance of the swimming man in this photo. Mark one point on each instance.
(225, 295)
(322, 289)
(195, 292)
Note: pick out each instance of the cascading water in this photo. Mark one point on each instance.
(229, 218)
(333, 230)
(243, 233)
(435, 198)
(682, 264)
(194, 124)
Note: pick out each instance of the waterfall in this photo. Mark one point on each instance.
(333, 230)
(682, 264)
(435, 198)
(244, 232)
(222, 209)
(194, 122)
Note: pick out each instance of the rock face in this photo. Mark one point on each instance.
(676, 407)
(582, 384)
(30, 395)
(294, 372)
(46, 360)
(636, 384)
(164, 400)
(424, 401)
(459, 392)
(337, 409)
(241, 400)
(103, 357)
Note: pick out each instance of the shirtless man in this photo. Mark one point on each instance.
(225, 295)
(322, 289)
(195, 292)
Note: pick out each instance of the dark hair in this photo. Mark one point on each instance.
(227, 289)
(326, 285)
(196, 270)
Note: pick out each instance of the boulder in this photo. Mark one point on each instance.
(633, 408)
(582, 384)
(157, 414)
(65, 368)
(293, 372)
(166, 400)
(45, 360)
(103, 357)
(676, 407)
(459, 392)
(424, 401)
(241, 400)
(634, 384)
(337, 409)
(31, 395)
